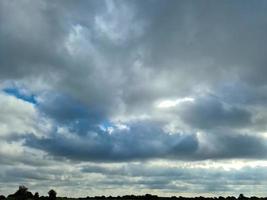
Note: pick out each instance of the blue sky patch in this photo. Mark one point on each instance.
(18, 94)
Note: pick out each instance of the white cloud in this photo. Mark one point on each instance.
(173, 103)
(16, 116)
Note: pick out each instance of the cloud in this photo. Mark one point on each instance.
(143, 140)
(209, 112)
(65, 110)
(195, 179)
(80, 82)
(221, 145)
(17, 117)
(32, 38)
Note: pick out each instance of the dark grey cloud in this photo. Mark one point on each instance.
(66, 110)
(62, 108)
(145, 140)
(209, 112)
(242, 94)
(203, 31)
(233, 145)
(30, 38)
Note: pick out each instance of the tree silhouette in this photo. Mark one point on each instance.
(22, 194)
(2, 197)
(52, 194)
(241, 196)
(22, 190)
(36, 195)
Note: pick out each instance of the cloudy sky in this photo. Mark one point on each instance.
(129, 96)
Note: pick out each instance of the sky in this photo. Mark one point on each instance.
(123, 97)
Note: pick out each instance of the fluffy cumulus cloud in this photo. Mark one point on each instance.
(115, 97)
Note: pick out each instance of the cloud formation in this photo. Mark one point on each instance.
(143, 140)
(81, 84)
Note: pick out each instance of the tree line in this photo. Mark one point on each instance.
(24, 194)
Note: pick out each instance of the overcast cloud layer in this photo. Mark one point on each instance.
(117, 97)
